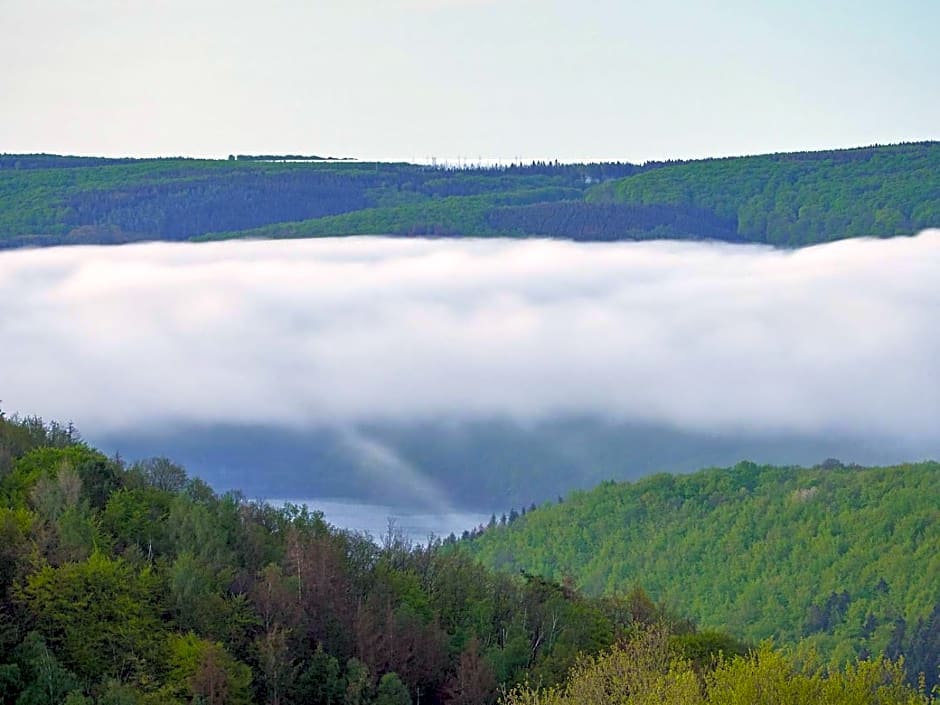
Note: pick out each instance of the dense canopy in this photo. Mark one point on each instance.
(782, 199)
(840, 558)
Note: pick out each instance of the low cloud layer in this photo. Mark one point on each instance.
(841, 337)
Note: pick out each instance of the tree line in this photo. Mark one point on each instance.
(840, 559)
(786, 200)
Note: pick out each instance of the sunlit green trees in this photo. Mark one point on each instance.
(140, 586)
(99, 614)
(841, 557)
(646, 670)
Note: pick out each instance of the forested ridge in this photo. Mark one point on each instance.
(136, 584)
(841, 559)
(782, 199)
(802, 198)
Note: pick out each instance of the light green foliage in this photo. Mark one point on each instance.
(45, 464)
(834, 554)
(764, 679)
(204, 670)
(800, 199)
(646, 671)
(643, 670)
(98, 614)
(768, 678)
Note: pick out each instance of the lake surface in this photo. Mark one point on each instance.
(373, 519)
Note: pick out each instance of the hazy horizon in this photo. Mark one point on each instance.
(470, 79)
(469, 162)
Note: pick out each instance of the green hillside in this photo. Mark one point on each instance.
(138, 585)
(800, 199)
(784, 199)
(135, 584)
(843, 558)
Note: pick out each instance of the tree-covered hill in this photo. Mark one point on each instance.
(843, 558)
(799, 199)
(784, 199)
(138, 585)
(55, 200)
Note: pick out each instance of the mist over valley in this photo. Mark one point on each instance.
(477, 374)
(464, 352)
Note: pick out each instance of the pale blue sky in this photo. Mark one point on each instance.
(411, 79)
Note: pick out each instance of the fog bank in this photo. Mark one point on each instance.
(839, 338)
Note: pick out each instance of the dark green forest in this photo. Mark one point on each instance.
(840, 559)
(133, 583)
(782, 199)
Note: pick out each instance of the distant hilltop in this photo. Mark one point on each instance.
(786, 200)
(286, 158)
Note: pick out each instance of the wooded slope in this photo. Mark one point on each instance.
(844, 558)
(783, 199)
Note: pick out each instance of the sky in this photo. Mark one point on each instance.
(733, 339)
(504, 79)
